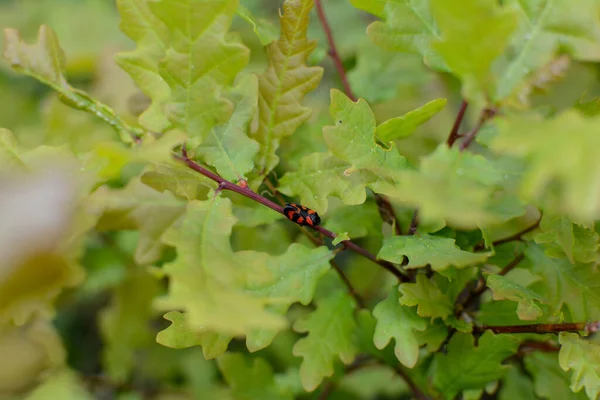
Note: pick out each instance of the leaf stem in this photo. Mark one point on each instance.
(333, 53)
(459, 117)
(486, 114)
(414, 223)
(246, 191)
(511, 238)
(590, 327)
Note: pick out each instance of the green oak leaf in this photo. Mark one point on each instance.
(504, 288)
(322, 175)
(60, 384)
(124, 324)
(565, 285)
(251, 380)
(583, 358)
(330, 336)
(489, 28)
(9, 153)
(352, 139)
(562, 166)
(398, 322)
(264, 29)
(359, 221)
(379, 75)
(207, 278)
(228, 148)
(179, 336)
(183, 59)
(138, 206)
(45, 61)
(409, 27)
(464, 189)
(285, 83)
(177, 179)
(427, 296)
(35, 350)
(544, 26)
(550, 381)
(439, 252)
(293, 277)
(466, 366)
(404, 126)
(563, 238)
(516, 385)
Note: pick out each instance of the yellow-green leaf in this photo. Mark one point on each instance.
(285, 83)
(182, 61)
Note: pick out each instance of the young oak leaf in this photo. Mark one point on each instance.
(322, 175)
(409, 28)
(183, 59)
(489, 28)
(504, 288)
(124, 324)
(562, 166)
(564, 238)
(439, 252)
(285, 83)
(352, 139)
(550, 381)
(566, 285)
(179, 336)
(427, 296)
(140, 207)
(228, 148)
(207, 278)
(405, 125)
(251, 380)
(293, 277)
(398, 322)
(468, 367)
(466, 190)
(583, 358)
(330, 336)
(544, 27)
(45, 61)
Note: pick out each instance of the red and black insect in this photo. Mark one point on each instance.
(301, 215)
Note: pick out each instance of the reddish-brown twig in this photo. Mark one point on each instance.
(486, 114)
(459, 117)
(588, 327)
(247, 192)
(333, 53)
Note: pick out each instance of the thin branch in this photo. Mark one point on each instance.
(512, 238)
(486, 114)
(419, 395)
(510, 266)
(530, 346)
(247, 192)
(459, 117)
(541, 328)
(387, 213)
(414, 223)
(348, 284)
(333, 53)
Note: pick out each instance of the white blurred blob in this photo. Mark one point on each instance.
(35, 210)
